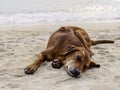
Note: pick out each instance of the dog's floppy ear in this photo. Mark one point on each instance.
(69, 49)
(93, 64)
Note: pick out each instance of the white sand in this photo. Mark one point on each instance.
(19, 45)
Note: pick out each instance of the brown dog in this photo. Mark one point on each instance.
(69, 46)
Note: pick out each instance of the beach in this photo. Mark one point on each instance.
(20, 44)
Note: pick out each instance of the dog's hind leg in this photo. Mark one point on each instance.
(30, 69)
(84, 42)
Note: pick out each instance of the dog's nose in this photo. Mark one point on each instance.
(75, 72)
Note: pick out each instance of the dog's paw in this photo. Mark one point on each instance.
(30, 69)
(56, 64)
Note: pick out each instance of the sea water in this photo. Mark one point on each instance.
(36, 11)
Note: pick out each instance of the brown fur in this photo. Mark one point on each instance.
(67, 43)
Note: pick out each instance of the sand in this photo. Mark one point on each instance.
(20, 45)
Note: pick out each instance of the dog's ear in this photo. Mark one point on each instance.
(70, 48)
(93, 64)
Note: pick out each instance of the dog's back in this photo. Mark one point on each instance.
(66, 35)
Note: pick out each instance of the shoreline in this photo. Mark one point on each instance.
(89, 24)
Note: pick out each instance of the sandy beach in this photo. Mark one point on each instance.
(20, 45)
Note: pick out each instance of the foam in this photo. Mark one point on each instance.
(78, 14)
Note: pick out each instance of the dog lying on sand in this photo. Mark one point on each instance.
(69, 47)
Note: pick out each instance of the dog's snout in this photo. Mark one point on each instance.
(75, 72)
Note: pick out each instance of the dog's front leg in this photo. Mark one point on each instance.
(30, 69)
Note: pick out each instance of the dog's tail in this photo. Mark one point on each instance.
(101, 42)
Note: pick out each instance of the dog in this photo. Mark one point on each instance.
(69, 47)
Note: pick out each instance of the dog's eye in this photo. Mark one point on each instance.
(78, 58)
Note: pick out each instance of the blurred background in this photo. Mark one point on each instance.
(36, 11)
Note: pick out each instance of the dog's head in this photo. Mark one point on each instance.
(76, 60)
